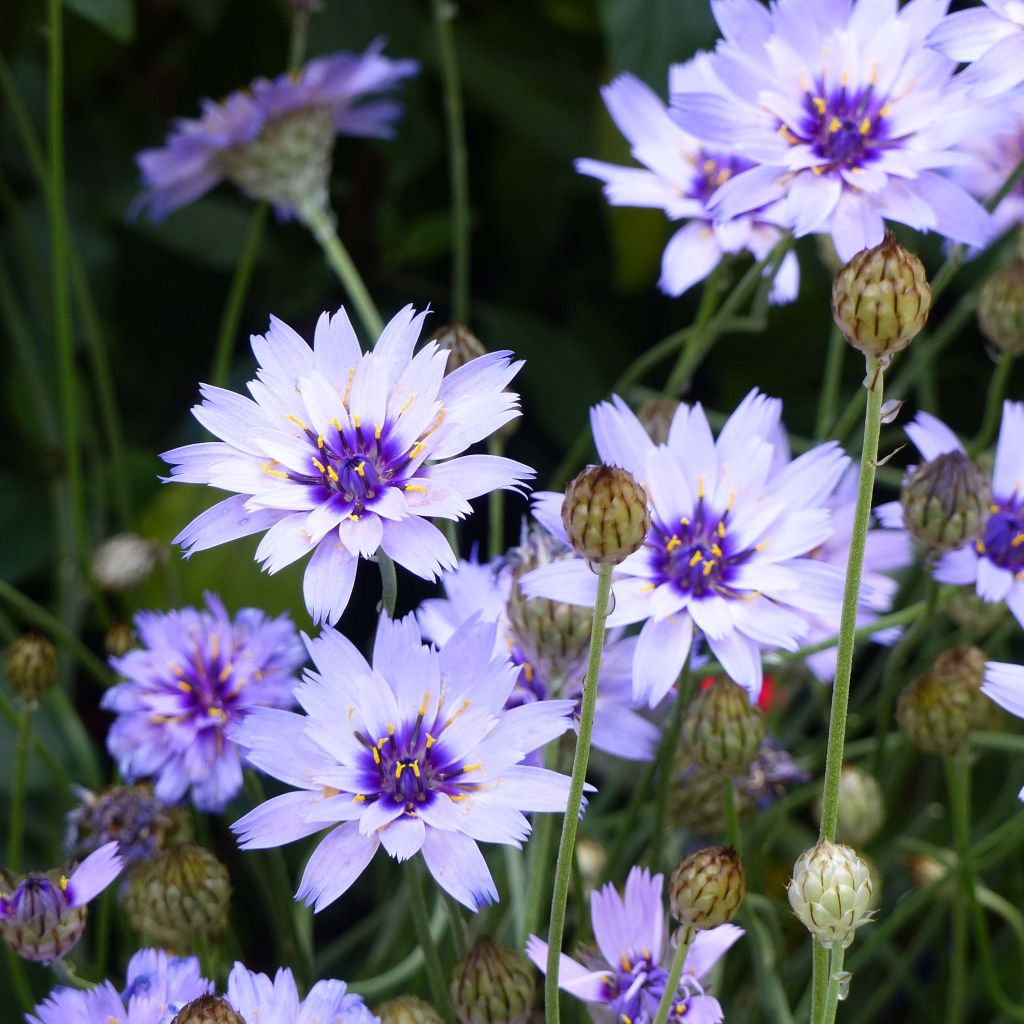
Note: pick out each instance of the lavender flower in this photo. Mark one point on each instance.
(628, 977)
(258, 999)
(991, 37)
(195, 674)
(131, 816)
(483, 590)
(274, 138)
(42, 915)
(728, 547)
(1004, 684)
(846, 114)
(331, 456)
(681, 176)
(994, 562)
(418, 753)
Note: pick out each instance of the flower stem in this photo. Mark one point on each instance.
(496, 505)
(665, 769)
(819, 983)
(835, 984)
(570, 823)
(734, 834)
(297, 39)
(993, 403)
(539, 858)
(686, 937)
(421, 922)
(321, 223)
(16, 824)
(831, 380)
(700, 343)
(388, 583)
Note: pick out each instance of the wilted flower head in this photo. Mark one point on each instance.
(846, 114)
(42, 914)
(992, 37)
(629, 974)
(196, 672)
(274, 138)
(341, 452)
(419, 753)
(680, 174)
(132, 816)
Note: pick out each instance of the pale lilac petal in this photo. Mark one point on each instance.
(403, 838)
(1008, 470)
(741, 659)
(660, 655)
(1004, 684)
(573, 977)
(328, 580)
(966, 35)
(957, 566)
(335, 864)
(459, 868)
(932, 437)
(709, 947)
(419, 546)
(94, 874)
(691, 254)
(620, 437)
(994, 582)
(281, 819)
(226, 521)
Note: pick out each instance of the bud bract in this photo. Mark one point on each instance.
(408, 1010)
(461, 344)
(656, 417)
(605, 514)
(831, 892)
(945, 501)
(972, 613)
(30, 663)
(722, 731)
(707, 888)
(1001, 309)
(935, 715)
(208, 1010)
(39, 924)
(492, 985)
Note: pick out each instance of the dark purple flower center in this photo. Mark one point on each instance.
(635, 988)
(1002, 543)
(208, 684)
(714, 170)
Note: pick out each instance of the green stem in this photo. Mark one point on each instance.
(570, 823)
(539, 854)
(297, 40)
(16, 969)
(66, 972)
(734, 834)
(835, 985)
(458, 165)
(668, 997)
(39, 748)
(993, 404)
(496, 505)
(701, 341)
(421, 922)
(665, 770)
(388, 583)
(819, 983)
(236, 296)
(956, 988)
(22, 746)
(1014, 178)
(830, 382)
(321, 223)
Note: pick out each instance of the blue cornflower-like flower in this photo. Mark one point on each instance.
(257, 998)
(845, 112)
(680, 175)
(418, 753)
(1004, 684)
(733, 529)
(627, 978)
(992, 37)
(196, 673)
(341, 452)
(274, 138)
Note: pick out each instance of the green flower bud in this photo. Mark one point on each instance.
(861, 806)
(40, 926)
(120, 639)
(492, 985)
(963, 668)
(1001, 309)
(722, 731)
(605, 514)
(30, 663)
(934, 715)
(972, 613)
(181, 894)
(945, 502)
(881, 299)
(707, 888)
(408, 1010)
(656, 417)
(461, 344)
(695, 799)
(208, 1010)
(831, 892)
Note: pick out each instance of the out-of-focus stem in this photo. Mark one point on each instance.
(993, 403)
(675, 972)
(16, 821)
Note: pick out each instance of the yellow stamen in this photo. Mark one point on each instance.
(184, 687)
(472, 768)
(528, 671)
(332, 473)
(716, 551)
(818, 169)
(415, 766)
(865, 126)
(415, 487)
(63, 883)
(225, 673)
(993, 508)
(399, 768)
(319, 440)
(273, 472)
(804, 83)
(720, 529)
(673, 543)
(359, 799)
(353, 517)
(700, 487)
(788, 135)
(377, 427)
(430, 741)
(697, 557)
(297, 421)
(684, 521)
(348, 386)
(319, 465)
(884, 112)
(844, 79)
(412, 398)
(708, 566)
(626, 965)
(356, 422)
(360, 470)
(834, 125)
(819, 104)
(979, 546)
(647, 586)
(376, 755)
(1017, 541)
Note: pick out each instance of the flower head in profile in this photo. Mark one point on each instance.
(627, 974)
(729, 544)
(42, 914)
(846, 113)
(130, 815)
(992, 38)
(340, 452)
(679, 176)
(274, 139)
(418, 753)
(484, 591)
(257, 998)
(197, 672)
(994, 561)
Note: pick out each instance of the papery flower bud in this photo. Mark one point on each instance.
(30, 663)
(861, 811)
(1001, 309)
(208, 1010)
(945, 501)
(131, 816)
(120, 639)
(181, 894)
(707, 888)
(926, 870)
(972, 613)
(492, 985)
(722, 731)
(881, 299)
(591, 859)
(461, 344)
(963, 668)
(408, 1010)
(656, 416)
(123, 561)
(934, 715)
(605, 514)
(831, 892)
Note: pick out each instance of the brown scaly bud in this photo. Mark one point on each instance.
(492, 985)
(831, 892)
(972, 613)
(1001, 309)
(963, 668)
(945, 501)
(208, 1010)
(656, 417)
(461, 344)
(605, 514)
(722, 731)
(408, 1010)
(707, 888)
(695, 799)
(861, 811)
(30, 663)
(934, 715)
(881, 299)
(120, 639)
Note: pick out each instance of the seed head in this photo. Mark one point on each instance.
(208, 1010)
(722, 731)
(492, 985)
(945, 501)
(1001, 309)
(605, 514)
(707, 888)
(831, 892)
(30, 663)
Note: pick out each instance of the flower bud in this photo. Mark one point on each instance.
(123, 561)
(830, 892)
(492, 985)
(881, 299)
(722, 731)
(935, 716)
(408, 1010)
(963, 668)
(120, 639)
(945, 501)
(40, 926)
(30, 663)
(973, 614)
(181, 894)
(861, 811)
(130, 815)
(656, 417)
(605, 514)
(461, 344)
(695, 800)
(707, 888)
(208, 1010)
(1001, 309)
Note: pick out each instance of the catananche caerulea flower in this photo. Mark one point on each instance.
(483, 590)
(845, 112)
(729, 545)
(274, 138)
(992, 37)
(196, 672)
(1004, 683)
(994, 562)
(628, 977)
(262, 1001)
(340, 452)
(679, 177)
(419, 754)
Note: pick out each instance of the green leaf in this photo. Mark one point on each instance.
(115, 17)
